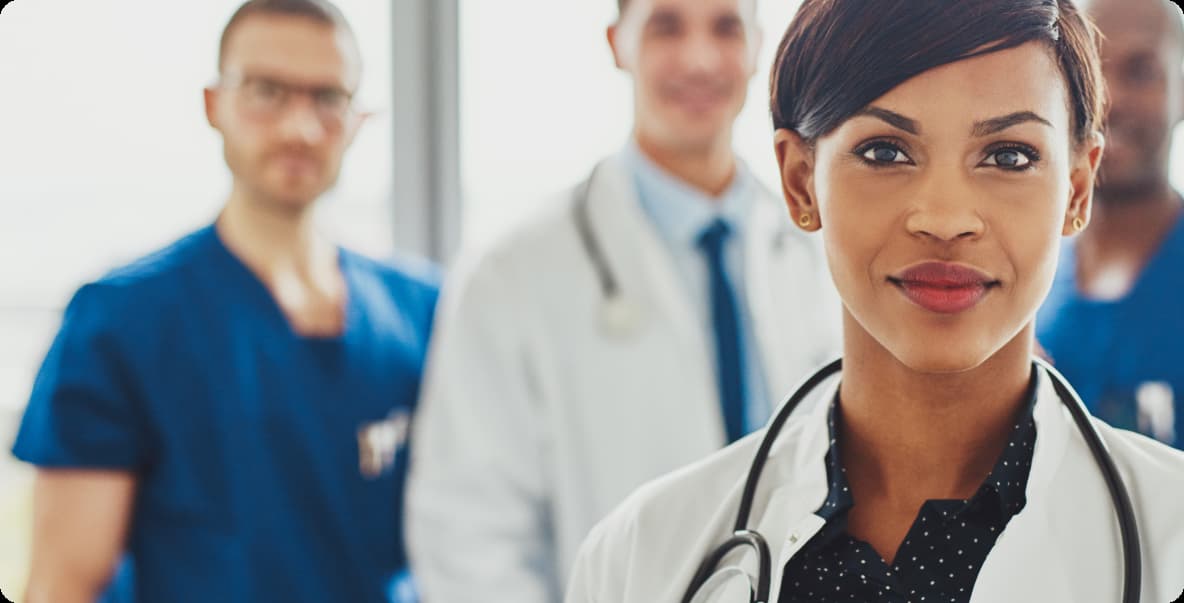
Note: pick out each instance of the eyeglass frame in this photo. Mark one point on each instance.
(328, 116)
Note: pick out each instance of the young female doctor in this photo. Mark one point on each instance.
(943, 148)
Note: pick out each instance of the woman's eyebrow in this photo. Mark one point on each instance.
(893, 119)
(982, 128)
(998, 124)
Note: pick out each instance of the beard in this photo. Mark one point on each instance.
(1136, 166)
(1114, 187)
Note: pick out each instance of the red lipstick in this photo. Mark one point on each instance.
(943, 287)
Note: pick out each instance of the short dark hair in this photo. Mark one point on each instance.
(321, 11)
(840, 55)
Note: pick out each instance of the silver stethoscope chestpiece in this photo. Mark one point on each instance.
(619, 318)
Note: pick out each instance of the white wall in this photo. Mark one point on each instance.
(541, 102)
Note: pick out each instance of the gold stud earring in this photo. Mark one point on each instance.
(806, 220)
(1078, 224)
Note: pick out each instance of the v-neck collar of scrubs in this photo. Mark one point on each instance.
(1170, 248)
(251, 283)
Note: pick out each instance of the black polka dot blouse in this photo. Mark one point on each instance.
(943, 550)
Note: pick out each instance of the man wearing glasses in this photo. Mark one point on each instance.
(222, 419)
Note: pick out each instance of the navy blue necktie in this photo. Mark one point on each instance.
(725, 317)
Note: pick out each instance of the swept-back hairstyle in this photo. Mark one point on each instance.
(840, 55)
(320, 11)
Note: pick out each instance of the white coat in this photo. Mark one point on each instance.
(1062, 547)
(534, 422)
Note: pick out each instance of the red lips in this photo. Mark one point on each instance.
(943, 287)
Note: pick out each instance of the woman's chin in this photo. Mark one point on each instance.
(938, 359)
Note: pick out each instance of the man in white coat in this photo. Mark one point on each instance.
(650, 316)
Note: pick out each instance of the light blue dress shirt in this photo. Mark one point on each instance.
(679, 213)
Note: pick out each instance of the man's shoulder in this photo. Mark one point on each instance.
(402, 274)
(161, 265)
(542, 241)
(648, 531)
(399, 288)
(550, 222)
(145, 287)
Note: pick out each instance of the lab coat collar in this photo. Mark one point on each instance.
(634, 247)
(777, 305)
(803, 488)
(648, 275)
(789, 290)
(1025, 560)
(681, 212)
(802, 481)
(646, 271)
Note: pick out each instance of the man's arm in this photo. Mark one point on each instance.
(80, 520)
(85, 432)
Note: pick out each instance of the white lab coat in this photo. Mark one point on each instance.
(1062, 547)
(535, 423)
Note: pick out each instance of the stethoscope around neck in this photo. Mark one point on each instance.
(619, 315)
(742, 536)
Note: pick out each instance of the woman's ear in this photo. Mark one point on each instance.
(1082, 179)
(795, 157)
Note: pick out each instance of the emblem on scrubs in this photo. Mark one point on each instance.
(380, 441)
(1157, 411)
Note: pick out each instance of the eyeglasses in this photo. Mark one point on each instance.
(266, 98)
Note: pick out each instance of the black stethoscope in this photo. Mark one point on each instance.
(619, 316)
(742, 536)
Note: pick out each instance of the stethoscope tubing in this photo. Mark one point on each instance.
(609, 287)
(1132, 555)
(742, 536)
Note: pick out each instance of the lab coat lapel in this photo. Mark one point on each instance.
(1030, 561)
(1033, 560)
(790, 296)
(648, 276)
(787, 519)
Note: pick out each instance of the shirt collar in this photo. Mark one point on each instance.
(1002, 493)
(679, 211)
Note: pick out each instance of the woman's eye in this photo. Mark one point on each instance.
(884, 153)
(1011, 159)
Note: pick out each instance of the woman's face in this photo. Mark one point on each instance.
(942, 206)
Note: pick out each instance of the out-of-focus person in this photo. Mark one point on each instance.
(644, 319)
(222, 419)
(1113, 322)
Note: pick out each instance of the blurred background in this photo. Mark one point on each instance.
(484, 109)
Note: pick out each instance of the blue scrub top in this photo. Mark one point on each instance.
(1125, 357)
(269, 464)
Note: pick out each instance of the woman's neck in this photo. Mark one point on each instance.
(911, 435)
